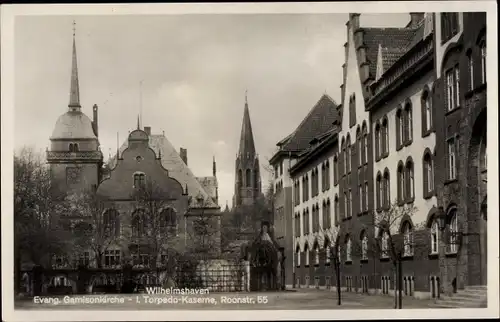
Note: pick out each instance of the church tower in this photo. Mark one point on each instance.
(247, 187)
(75, 157)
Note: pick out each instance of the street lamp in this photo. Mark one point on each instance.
(441, 218)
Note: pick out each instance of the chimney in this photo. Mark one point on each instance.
(147, 129)
(183, 154)
(416, 18)
(95, 121)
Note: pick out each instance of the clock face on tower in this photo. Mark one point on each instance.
(73, 175)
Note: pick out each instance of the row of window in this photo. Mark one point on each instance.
(110, 224)
(388, 245)
(111, 259)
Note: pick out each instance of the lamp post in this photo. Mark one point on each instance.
(441, 218)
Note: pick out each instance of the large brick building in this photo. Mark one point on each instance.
(461, 155)
(290, 150)
(391, 144)
(144, 160)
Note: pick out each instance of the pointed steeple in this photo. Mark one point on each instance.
(74, 93)
(247, 146)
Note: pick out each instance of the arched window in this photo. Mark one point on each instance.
(385, 136)
(407, 239)
(400, 129)
(327, 221)
(316, 254)
(240, 178)
(168, 220)
(470, 66)
(378, 141)
(346, 207)
(348, 154)
(428, 173)
(313, 180)
(348, 249)
(434, 237)
(453, 231)
(327, 172)
(409, 123)
(482, 48)
(307, 255)
(335, 169)
(411, 180)
(360, 198)
(256, 179)
(327, 254)
(297, 251)
(337, 210)
(387, 189)
(138, 224)
(248, 178)
(366, 196)
(427, 111)
(365, 142)
(359, 145)
(350, 202)
(73, 147)
(364, 246)
(380, 191)
(401, 183)
(139, 180)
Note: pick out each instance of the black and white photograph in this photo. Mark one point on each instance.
(249, 161)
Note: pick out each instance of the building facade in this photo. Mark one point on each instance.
(290, 150)
(461, 154)
(410, 134)
(172, 211)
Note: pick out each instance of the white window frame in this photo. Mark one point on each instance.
(428, 112)
(450, 90)
(452, 159)
(430, 174)
(408, 240)
(348, 252)
(364, 247)
(366, 195)
(470, 62)
(434, 237)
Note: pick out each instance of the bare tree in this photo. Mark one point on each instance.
(40, 232)
(205, 233)
(99, 228)
(154, 225)
(391, 242)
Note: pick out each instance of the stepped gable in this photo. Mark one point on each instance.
(319, 120)
(177, 169)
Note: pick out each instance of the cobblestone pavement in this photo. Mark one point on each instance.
(290, 300)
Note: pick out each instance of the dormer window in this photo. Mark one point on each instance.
(139, 180)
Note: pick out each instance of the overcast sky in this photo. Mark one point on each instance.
(195, 70)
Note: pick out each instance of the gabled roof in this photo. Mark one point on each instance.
(318, 121)
(177, 169)
(395, 40)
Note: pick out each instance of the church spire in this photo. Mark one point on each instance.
(74, 94)
(247, 146)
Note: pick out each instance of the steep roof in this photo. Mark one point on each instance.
(394, 40)
(177, 169)
(247, 145)
(318, 121)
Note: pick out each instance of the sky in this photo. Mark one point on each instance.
(194, 70)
